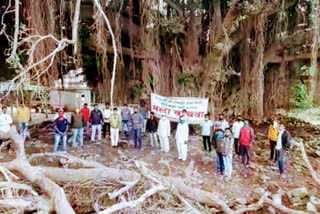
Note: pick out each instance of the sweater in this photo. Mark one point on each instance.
(246, 136)
(273, 133)
(152, 125)
(96, 117)
(137, 121)
(77, 121)
(61, 126)
(23, 114)
(86, 114)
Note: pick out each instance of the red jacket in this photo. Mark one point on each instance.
(86, 114)
(246, 136)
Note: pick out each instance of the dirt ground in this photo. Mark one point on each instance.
(200, 167)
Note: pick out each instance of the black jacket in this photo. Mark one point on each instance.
(152, 125)
(286, 137)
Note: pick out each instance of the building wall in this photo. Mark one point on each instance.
(69, 99)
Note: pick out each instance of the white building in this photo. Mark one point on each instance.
(74, 93)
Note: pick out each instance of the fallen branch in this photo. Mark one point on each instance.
(135, 203)
(20, 164)
(314, 175)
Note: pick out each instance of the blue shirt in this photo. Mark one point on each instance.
(206, 127)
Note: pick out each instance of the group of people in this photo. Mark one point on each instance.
(226, 140)
(239, 138)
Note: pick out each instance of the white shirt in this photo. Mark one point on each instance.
(164, 127)
(279, 141)
(182, 133)
(5, 122)
(106, 114)
(206, 127)
(236, 128)
(221, 125)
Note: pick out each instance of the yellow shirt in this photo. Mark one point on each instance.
(23, 114)
(273, 133)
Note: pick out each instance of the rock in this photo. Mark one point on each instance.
(242, 201)
(299, 192)
(315, 201)
(311, 208)
(264, 177)
(297, 195)
(318, 153)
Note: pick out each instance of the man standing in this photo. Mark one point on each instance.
(125, 117)
(114, 127)
(283, 144)
(5, 120)
(61, 129)
(106, 115)
(236, 132)
(228, 140)
(23, 113)
(143, 112)
(206, 131)
(182, 136)
(273, 132)
(77, 124)
(137, 121)
(245, 139)
(164, 133)
(96, 120)
(152, 127)
(85, 111)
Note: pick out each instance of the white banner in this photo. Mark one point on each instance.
(172, 107)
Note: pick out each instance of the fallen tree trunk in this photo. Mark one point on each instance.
(55, 192)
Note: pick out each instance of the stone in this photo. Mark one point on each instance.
(299, 192)
(318, 153)
(311, 208)
(315, 201)
(297, 195)
(242, 201)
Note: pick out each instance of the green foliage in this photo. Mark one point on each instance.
(301, 98)
(189, 80)
(84, 35)
(138, 89)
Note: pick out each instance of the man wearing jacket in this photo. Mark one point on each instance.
(96, 120)
(85, 111)
(137, 125)
(164, 133)
(283, 144)
(152, 126)
(245, 138)
(61, 129)
(77, 124)
(125, 117)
